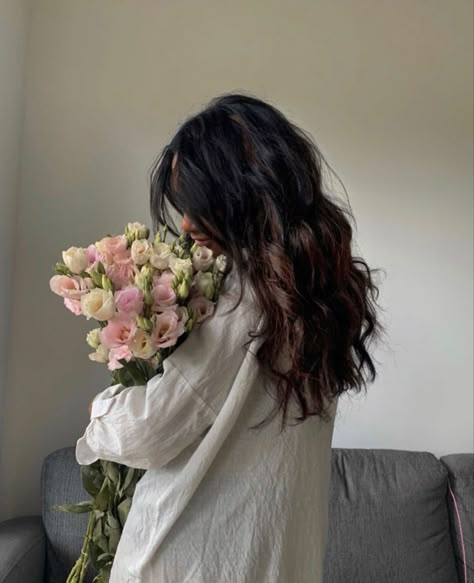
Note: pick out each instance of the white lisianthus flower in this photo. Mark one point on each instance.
(221, 263)
(160, 258)
(76, 259)
(181, 266)
(101, 355)
(141, 251)
(205, 284)
(98, 304)
(93, 338)
(137, 231)
(203, 259)
(141, 346)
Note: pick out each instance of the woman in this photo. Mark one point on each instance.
(236, 434)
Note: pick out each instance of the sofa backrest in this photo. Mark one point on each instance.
(388, 516)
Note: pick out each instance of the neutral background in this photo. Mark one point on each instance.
(89, 93)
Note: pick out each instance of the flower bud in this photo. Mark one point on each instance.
(205, 284)
(107, 284)
(144, 324)
(144, 278)
(182, 291)
(101, 355)
(148, 297)
(190, 323)
(134, 231)
(93, 338)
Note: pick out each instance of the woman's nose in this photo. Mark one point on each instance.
(186, 225)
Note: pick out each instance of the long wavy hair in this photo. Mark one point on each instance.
(252, 181)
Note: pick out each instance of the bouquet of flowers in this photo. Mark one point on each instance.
(146, 297)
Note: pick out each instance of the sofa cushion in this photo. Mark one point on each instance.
(22, 550)
(388, 518)
(460, 468)
(61, 484)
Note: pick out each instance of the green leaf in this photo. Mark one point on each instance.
(112, 522)
(123, 377)
(80, 508)
(136, 478)
(123, 509)
(105, 556)
(99, 538)
(112, 472)
(92, 479)
(102, 543)
(112, 531)
(97, 532)
(128, 478)
(102, 499)
(94, 552)
(96, 278)
(62, 269)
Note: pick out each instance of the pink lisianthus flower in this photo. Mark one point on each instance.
(94, 256)
(110, 247)
(121, 274)
(165, 278)
(74, 306)
(123, 257)
(116, 354)
(72, 288)
(168, 327)
(202, 308)
(118, 332)
(129, 301)
(164, 298)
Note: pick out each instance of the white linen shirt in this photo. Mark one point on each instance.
(219, 502)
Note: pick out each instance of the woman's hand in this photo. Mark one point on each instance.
(90, 408)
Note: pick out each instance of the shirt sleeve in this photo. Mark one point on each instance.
(145, 426)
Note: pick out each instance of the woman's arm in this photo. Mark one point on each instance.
(145, 426)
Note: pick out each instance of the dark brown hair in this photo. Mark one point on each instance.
(252, 181)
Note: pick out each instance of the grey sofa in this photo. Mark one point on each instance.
(395, 517)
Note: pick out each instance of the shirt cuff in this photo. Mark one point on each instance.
(101, 405)
(85, 455)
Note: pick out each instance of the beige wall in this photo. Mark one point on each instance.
(386, 89)
(13, 27)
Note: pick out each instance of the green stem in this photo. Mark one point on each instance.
(78, 572)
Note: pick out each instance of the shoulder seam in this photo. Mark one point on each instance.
(169, 359)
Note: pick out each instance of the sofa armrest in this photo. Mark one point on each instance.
(461, 510)
(22, 550)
